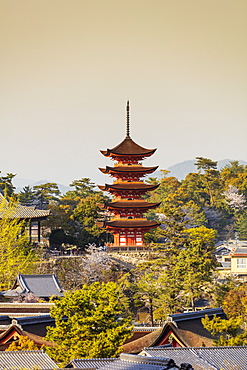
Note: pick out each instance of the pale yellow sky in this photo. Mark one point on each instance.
(67, 68)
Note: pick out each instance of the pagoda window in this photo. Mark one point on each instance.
(138, 240)
(130, 217)
(122, 240)
(130, 198)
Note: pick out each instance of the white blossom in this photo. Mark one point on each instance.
(95, 264)
(235, 200)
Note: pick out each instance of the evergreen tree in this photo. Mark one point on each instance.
(27, 196)
(226, 331)
(89, 324)
(6, 185)
(196, 262)
(46, 193)
(83, 188)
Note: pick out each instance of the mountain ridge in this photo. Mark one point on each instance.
(179, 170)
(182, 169)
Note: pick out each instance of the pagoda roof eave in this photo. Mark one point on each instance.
(128, 187)
(110, 153)
(131, 224)
(132, 204)
(128, 147)
(128, 169)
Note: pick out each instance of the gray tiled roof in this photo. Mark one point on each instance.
(226, 358)
(206, 358)
(22, 212)
(146, 328)
(26, 359)
(196, 314)
(30, 320)
(90, 363)
(134, 362)
(181, 355)
(40, 285)
(239, 251)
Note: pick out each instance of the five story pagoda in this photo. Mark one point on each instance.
(127, 207)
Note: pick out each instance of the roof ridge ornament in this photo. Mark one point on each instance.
(127, 120)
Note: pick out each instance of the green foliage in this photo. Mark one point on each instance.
(6, 184)
(173, 231)
(83, 188)
(181, 274)
(22, 344)
(73, 217)
(241, 225)
(147, 287)
(235, 302)
(46, 193)
(27, 196)
(222, 288)
(231, 332)
(196, 262)
(201, 197)
(94, 326)
(227, 332)
(87, 212)
(16, 255)
(222, 327)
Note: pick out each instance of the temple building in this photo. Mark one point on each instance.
(30, 215)
(128, 207)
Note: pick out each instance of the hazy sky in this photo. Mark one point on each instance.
(67, 68)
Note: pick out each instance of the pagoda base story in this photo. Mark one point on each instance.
(129, 239)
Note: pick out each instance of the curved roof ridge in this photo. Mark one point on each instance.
(128, 147)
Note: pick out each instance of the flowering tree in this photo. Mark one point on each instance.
(95, 264)
(234, 199)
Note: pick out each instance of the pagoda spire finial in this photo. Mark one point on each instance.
(128, 120)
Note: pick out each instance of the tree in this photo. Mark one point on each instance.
(147, 290)
(27, 196)
(16, 255)
(89, 324)
(86, 213)
(83, 188)
(205, 164)
(22, 344)
(222, 288)
(173, 225)
(211, 177)
(235, 302)
(45, 193)
(95, 265)
(171, 295)
(232, 174)
(6, 184)
(230, 332)
(234, 199)
(226, 331)
(196, 262)
(241, 225)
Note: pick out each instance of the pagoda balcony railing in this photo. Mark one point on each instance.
(110, 247)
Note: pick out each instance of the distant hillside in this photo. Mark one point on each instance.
(181, 170)
(21, 183)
